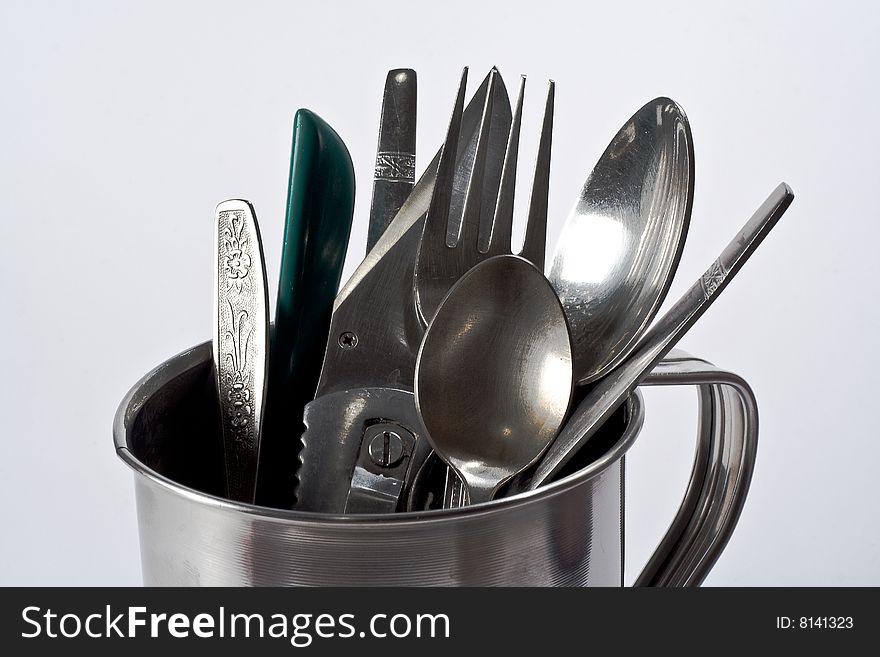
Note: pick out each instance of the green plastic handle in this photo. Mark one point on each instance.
(320, 203)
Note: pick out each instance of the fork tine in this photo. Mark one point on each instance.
(502, 222)
(536, 229)
(438, 211)
(469, 229)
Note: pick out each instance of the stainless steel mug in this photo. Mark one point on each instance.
(568, 533)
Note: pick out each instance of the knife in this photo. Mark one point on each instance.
(375, 332)
(320, 202)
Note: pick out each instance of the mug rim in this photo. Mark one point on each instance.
(188, 359)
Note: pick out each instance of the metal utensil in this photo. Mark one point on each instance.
(611, 391)
(535, 240)
(622, 242)
(240, 346)
(449, 248)
(369, 366)
(395, 170)
(494, 373)
(320, 201)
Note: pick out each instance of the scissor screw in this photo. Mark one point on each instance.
(386, 448)
(348, 340)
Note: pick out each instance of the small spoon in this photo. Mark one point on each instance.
(621, 243)
(494, 373)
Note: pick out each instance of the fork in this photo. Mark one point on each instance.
(447, 251)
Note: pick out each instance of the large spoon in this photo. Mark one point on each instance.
(494, 373)
(622, 242)
(609, 393)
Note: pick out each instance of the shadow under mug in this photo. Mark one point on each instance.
(567, 533)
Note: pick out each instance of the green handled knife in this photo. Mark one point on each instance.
(320, 203)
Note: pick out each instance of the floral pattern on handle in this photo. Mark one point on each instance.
(239, 356)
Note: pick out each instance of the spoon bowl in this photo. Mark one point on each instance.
(494, 373)
(621, 243)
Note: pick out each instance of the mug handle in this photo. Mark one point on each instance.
(727, 443)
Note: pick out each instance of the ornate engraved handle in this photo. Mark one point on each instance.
(240, 342)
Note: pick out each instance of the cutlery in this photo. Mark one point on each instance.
(240, 344)
(449, 249)
(609, 392)
(490, 417)
(442, 261)
(535, 239)
(485, 235)
(622, 242)
(369, 366)
(395, 170)
(320, 201)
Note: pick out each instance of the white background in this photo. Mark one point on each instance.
(122, 125)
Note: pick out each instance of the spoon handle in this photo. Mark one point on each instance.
(241, 337)
(478, 490)
(614, 388)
